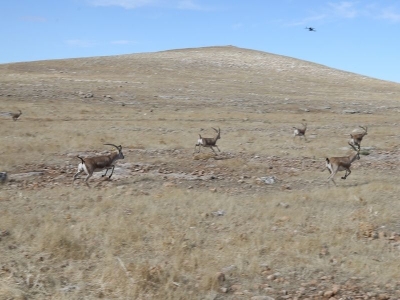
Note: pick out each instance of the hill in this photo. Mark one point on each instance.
(257, 220)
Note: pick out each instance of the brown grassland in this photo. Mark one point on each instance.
(174, 224)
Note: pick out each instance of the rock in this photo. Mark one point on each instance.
(262, 298)
(335, 289)
(220, 277)
(3, 177)
(21, 176)
(268, 179)
(328, 294)
(351, 111)
(271, 277)
(218, 213)
(284, 205)
(88, 95)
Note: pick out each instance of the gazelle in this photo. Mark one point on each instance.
(99, 163)
(300, 131)
(356, 138)
(15, 116)
(209, 142)
(335, 164)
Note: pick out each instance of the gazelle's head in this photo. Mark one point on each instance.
(365, 129)
(119, 148)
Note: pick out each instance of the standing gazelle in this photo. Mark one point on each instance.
(335, 164)
(356, 138)
(300, 132)
(209, 142)
(99, 163)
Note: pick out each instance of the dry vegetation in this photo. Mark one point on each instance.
(173, 224)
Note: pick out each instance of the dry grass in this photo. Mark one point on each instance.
(154, 232)
(168, 244)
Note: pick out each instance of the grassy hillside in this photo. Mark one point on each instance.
(258, 219)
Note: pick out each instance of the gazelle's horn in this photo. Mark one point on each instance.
(118, 147)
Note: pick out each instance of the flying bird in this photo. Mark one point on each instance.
(310, 28)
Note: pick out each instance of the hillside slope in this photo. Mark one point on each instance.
(203, 74)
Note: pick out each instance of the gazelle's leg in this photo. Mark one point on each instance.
(105, 173)
(333, 175)
(112, 172)
(80, 170)
(346, 174)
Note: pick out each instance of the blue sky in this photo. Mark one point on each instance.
(356, 36)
